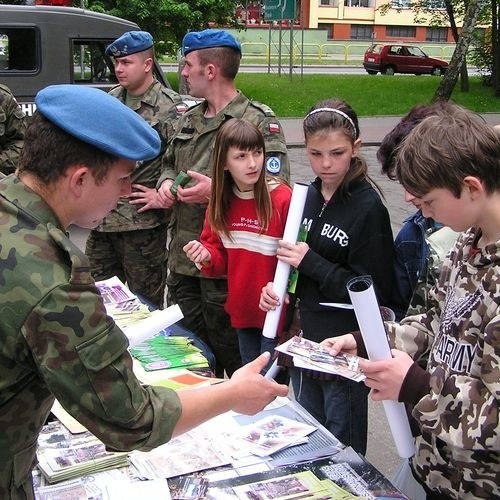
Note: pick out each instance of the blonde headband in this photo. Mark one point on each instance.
(337, 112)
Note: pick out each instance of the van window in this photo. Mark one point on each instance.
(90, 64)
(18, 50)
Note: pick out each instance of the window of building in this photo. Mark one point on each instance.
(401, 4)
(328, 3)
(434, 4)
(401, 31)
(357, 3)
(328, 28)
(361, 31)
(436, 35)
(19, 49)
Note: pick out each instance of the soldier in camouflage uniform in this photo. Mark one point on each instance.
(55, 337)
(452, 162)
(131, 242)
(212, 59)
(12, 128)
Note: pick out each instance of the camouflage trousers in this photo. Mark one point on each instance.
(202, 303)
(138, 258)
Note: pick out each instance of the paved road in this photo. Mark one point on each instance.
(337, 69)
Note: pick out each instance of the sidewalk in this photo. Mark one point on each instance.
(373, 128)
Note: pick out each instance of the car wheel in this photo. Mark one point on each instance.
(371, 72)
(389, 70)
(437, 71)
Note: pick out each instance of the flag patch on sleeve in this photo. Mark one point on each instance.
(274, 128)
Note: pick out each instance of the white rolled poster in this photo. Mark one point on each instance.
(374, 335)
(147, 328)
(282, 273)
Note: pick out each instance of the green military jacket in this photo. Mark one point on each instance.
(191, 149)
(12, 129)
(161, 108)
(56, 340)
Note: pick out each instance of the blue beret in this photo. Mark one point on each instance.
(130, 43)
(99, 119)
(207, 39)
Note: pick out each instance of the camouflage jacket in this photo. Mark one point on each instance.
(12, 128)
(458, 451)
(191, 149)
(161, 108)
(56, 340)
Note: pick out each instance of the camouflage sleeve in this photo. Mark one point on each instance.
(82, 357)
(167, 165)
(12, 129)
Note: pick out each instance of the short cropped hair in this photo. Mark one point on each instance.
(226, 58)
(48, 151)
(445, 148)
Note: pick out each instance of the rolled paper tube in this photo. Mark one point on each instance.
(158, 321)
(374, 335)
(292, 226)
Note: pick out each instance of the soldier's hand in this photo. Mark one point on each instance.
(165, 197)
(255, 391)
(199, 193)
(142, 195)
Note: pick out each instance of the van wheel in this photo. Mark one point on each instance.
(437, 71)
(388, 71)
(371, 72)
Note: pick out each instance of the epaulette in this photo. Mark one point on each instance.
(172, 94)
(6, 89)
(263, 107)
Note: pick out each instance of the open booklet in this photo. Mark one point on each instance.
(311, 355)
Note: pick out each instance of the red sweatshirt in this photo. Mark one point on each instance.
(249, 258)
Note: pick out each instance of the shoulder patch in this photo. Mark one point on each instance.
(274, 128)
(273, 165)
(263, 107)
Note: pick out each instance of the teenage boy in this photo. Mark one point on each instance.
(451, 161)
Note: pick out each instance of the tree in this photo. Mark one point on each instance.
(169, 20)
(448, 82)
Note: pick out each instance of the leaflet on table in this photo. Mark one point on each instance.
(230, 427)
(271, 434)
(311, 355)
(190, 452)
(344, 475)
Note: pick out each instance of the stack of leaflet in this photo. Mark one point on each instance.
(163, 352)
(62, 455)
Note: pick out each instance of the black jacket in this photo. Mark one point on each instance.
(347, 237)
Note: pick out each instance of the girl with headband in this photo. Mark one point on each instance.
(349, 235)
